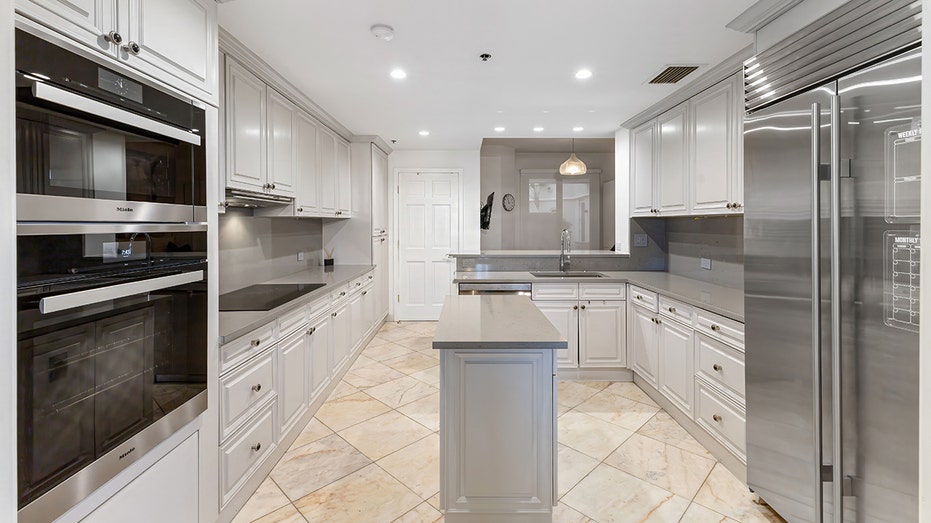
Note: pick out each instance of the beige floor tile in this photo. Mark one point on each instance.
(434, 501)
(367, 495)
(662, 427)
(395, 335)
(725, 494)
(562, 409)
(572, 467)
(571, 393)
(411, 363)
(372, 375)
(609, 495)
(425, 411)
(265, 500)
(429, 376)
(424, 327)
(699, 514)
(362, 361)
(385, 351)
(306, 469)
(313, 431)
(621, 411)
(390, 326)
(590, 436)
(565, 514)
(286, 514)
(349, 410)
(630, 390)
(400, 391)
(376, 341)
(416, 465)
(663, 465)
(422, 513)
(418, 341)
(384, 434)
(342, 389)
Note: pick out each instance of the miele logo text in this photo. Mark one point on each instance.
(124, 209)
(127, 453)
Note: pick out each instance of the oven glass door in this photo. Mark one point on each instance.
(112, 337)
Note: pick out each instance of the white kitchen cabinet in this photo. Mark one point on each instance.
(319, 353)
(244, 389)
(676, 375)
(642, 339)
(715, 118)
(380, 196)
(246, 128)
(380, 260)
(306, 198)
(564, 315)
(282, 116)
(344, 179)
(642, 172)
(292, 388)
(368, 308)
(246, 450)
(602, 327)
(174, 41)
(672, 174)
(356, 318)
(327, 184)
(342, 335)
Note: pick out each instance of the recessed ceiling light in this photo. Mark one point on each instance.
(424, 133)
(499, 129)
(583, 74)
(578, 129)
(398, 74)
(538, 129)
(546, 111)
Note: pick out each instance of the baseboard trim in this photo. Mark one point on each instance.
(589, 374)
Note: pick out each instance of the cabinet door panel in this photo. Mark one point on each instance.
(305, 165)
(326, 171)
(642, 172)
(245, 112)
(379, 192)
(281, 115)
(642, 344)
(342, 336)
(565, 317)
(356, 318)
(380, 259)
(319, 353)
(292, 391)
(676, 376)
(344, 174)
(713, 142)
(85, 21)
(672, 191)
(602, 333)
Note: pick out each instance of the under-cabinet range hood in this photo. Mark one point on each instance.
(253, 200)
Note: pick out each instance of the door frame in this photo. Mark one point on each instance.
(394, 244)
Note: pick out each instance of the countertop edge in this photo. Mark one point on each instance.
(500, 345)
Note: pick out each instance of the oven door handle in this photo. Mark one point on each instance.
(71, 300)
(53, 94)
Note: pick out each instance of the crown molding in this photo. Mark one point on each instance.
(760, 14)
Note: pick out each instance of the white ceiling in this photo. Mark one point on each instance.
(553, 145)
(325, 48)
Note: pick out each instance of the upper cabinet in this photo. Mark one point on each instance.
(688, 161)
(281, 116)
(173, 41)
(380, 196)
(344, 179)
(306, 200)
(246, 128)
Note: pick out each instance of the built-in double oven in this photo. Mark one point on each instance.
(111, 272)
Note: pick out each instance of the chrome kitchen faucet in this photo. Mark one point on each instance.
(565, 246)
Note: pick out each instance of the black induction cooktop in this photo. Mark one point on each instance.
(265, 297)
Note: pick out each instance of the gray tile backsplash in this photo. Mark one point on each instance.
(255, 249)
(719, 239)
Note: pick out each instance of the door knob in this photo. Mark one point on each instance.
(255, 343)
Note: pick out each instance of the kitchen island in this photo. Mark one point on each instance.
(497, 409)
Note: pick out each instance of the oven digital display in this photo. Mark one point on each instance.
(118, 85)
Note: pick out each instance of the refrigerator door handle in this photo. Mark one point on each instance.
(816, 298)
(837, 457)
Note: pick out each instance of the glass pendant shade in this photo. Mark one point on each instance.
(573, 166)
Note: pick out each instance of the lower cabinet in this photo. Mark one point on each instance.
(564, 315)
(247, 449)
(319, 350)
(676, 377)
(342, 335)
(292, 362)
(357, 318)
(602, 327)
(643, 342)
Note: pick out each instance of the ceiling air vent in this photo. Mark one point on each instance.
(673, 74)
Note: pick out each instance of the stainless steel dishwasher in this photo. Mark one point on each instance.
(522, 289)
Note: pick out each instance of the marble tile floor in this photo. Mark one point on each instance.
(371, 453)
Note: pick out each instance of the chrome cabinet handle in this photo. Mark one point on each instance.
(300, 209)
(257, 447)
(658, 321)
(334, 314)
(342, 293)
(311, 331)
(639, 297)
(737, 205)
(715, 327)
(132, 48)
(370, 276)
(575, 307)
(729, 205)
(583, 307)
(272, 186)
(672, 310)
(365, 292)
(257, 387)
(113, 37)
(717, 367)
(716, 418)
(255, 343)
(358, 284)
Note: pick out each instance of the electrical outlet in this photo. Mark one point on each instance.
(300, 256)
(706, 263)
(641, 240)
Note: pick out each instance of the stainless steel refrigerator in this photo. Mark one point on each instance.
(832, 179)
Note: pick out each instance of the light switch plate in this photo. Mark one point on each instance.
(706, 263)
(641, 240)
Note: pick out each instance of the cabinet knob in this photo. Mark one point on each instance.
(672, 310)
(639, 297)
(257, 387)
(113, 37)
(583, 307)
(383, 240)
(255, 343)
(300, 209)
(737, 205)
(342, 293)
(658, 321)
(132, 48)
(575, 307)
(334, 314)
(716, 418)
(715, 327)
(272, 186)
(370, 276)
(365, 292)
(729, 205)
(257, 447)
(717, 367)
(311, 331)
(358, 284)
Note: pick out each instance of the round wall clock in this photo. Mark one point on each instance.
(508, 202)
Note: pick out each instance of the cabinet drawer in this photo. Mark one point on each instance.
(722, 419)
(243, 389)
(676, 310)
(643, 297)
(721, 364)
(724, 329)
(602, 291)
(356, 284)
(241, 349)
(247, 449)
(554, 291)
(291, 321)
(318, 307)
(339, 294)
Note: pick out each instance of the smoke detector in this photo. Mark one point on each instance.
(382, 32)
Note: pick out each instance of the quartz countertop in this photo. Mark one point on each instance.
(494, 322)
(234, 324)
(726, 301)
(536, 254)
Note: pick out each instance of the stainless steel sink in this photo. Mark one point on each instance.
(568, 274)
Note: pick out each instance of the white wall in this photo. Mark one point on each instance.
(8, 267)
(622, 190)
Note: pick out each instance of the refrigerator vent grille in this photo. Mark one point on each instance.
(858, 33)
(673, 73)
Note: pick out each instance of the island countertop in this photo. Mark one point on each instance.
(494, 322)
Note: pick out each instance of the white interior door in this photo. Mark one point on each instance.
(428, 230)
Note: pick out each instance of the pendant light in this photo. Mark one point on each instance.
(573, 166)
